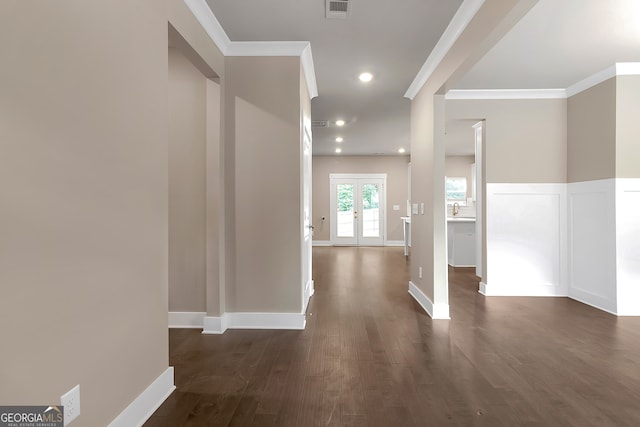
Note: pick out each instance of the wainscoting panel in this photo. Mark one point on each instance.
(592, 243)
(526, 240)
(628, 246)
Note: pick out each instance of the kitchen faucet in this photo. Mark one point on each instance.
(456, 208)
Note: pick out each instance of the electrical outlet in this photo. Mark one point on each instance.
(419, 272)
(71, 403)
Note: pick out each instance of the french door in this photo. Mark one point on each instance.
(357, 209)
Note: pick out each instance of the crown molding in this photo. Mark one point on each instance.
(460, 20)
(506, 94)
(211, 25)
(309, 71)
(617, 69)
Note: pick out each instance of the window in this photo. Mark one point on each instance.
(456, 189)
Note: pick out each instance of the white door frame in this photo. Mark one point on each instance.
(333, 180)
(307, 226)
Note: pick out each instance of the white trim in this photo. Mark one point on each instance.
(506, 94)
(627, 203)
(504, 290)
(394, 243)
(627, 68)
(460, 20)
(322, 243)
(592, 81)
(266, 48)
(266, 320)
(210, 23)
(617, 69)
(482, 288)
(306, 57)
(186, 319)
(212, 27)
(526, 226)
(214, 325)
(435, 311)
(592, 249)
(147, 402)
(309, 290)
(218, 325)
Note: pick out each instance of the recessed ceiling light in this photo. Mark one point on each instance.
(339, 139)
(365, 77)
(338, 150)
(339, 122)
(401, 150)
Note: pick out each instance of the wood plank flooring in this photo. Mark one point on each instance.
(370, 356)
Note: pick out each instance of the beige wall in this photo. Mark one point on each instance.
(591, 133)
(263, 106)
(525, 139)
(460, 166)
(394, 166)
(494, 19)
(83, 184)
(627, 127)
(187, 95)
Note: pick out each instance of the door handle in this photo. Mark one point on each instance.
(311, 227)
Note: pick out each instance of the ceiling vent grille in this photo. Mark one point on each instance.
(319, 124)
(337, 9)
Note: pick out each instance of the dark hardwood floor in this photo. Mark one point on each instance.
(370, 356)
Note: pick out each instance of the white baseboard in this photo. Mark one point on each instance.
(595, 301)
(218, 325)
(308, 293)
(394, 243)
(322, 243)
(526, 290)
(139, 411)
(435, 311)
(483, 288)
(214, 325)
(186, 319)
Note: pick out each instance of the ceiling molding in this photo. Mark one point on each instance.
(209, 22)
(264, 48)
(460, 20)
(506, 94)
(618, 69)
(211, 25)
(309, 71)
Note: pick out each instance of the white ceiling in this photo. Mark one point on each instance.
(558, 43)
(390, 39)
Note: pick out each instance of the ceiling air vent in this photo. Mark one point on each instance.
(337, 9)
(319, 124)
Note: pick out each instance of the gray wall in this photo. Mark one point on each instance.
(394, 166)
(83, 216)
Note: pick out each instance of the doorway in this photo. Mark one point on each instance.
(357, 209)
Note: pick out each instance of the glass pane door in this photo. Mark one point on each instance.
(370, 210)
(345, 210)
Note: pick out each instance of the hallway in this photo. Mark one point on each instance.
(370, 356)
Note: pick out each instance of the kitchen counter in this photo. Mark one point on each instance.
(460, 219)
(461, 241)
